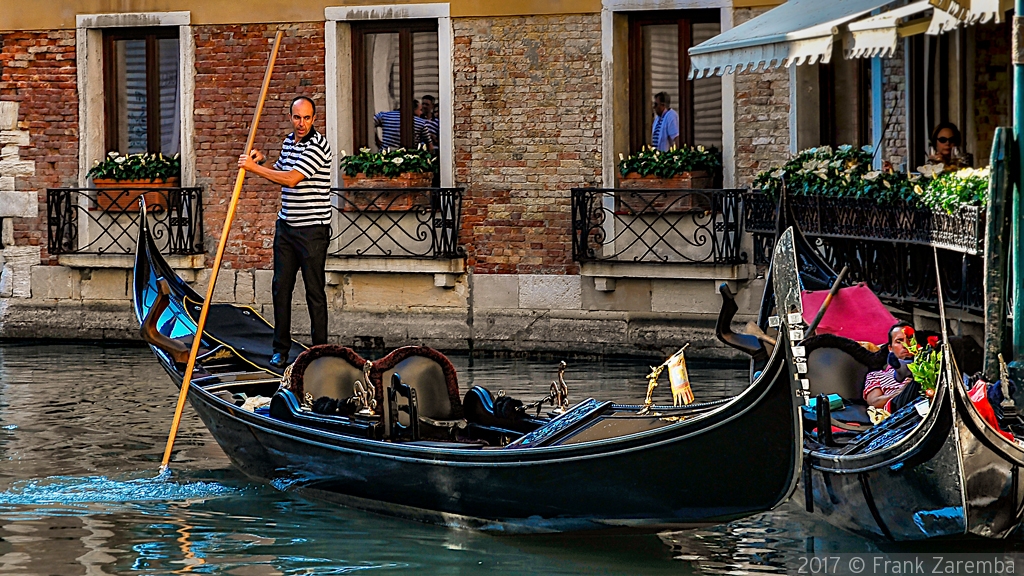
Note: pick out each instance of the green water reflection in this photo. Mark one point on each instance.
(82, 429)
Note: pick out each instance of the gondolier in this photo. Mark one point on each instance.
(303, 228)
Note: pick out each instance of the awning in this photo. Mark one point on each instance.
(803, 31)
(879, 35)
(797, 32)
(974, 11)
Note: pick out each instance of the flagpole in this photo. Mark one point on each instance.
(1016, 172)
(232, 206)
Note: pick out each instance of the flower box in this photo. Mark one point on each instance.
(123, 195)
(685, 180)
(406, 180)
(375, 193)
(665, 202)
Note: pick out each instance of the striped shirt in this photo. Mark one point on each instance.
(390, 124)
(884, 380)
(309, 202)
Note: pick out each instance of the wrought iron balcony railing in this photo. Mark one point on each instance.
(106, 220)
(889, 247)
(660, 226)
(397, 222)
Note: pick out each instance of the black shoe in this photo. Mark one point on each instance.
(279, 360)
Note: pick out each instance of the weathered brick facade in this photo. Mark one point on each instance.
(992, 82)
(762, 116)
(37, 69)
(894, 118)
(527, 129)
(230, 64)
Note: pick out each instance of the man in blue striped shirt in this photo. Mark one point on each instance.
(303, 225)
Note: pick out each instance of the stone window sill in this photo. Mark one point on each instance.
(737, 272)
(191, 262)
(445, 270)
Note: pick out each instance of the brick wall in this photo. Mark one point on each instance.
(894, 97)
(527, 129)
(230, 64)
(37, 69)
(762, 115)
(993, 86)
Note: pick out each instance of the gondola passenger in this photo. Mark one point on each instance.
(893, 387)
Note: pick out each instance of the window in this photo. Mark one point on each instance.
(937, 91)
(845, 108)
(659, 62)
(395, 68)
(142, 90)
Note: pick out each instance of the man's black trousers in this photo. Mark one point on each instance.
(299, 248)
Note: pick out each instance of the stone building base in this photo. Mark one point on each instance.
(493, 313)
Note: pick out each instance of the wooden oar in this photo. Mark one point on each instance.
(191, 364)
(828, 300)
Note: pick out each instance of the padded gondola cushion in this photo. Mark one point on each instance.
(837, 365)
(328, 370)
(855, 313)
(430, 373)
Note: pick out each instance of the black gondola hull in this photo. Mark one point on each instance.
(950, 476)
(731, 461)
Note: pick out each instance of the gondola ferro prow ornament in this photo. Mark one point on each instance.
(789, 316)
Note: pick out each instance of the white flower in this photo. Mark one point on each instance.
(112, 154)
(845, 148)
(810, 165)
(620, 157)
(96, 163)
(930, 170)
(871, 176)
(700, 148)
(397, 161)
(119, 159)
(343, 153)
(778, 173)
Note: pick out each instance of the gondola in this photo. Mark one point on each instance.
(935, 470)
(429, 454)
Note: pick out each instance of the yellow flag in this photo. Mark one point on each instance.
(677, 375)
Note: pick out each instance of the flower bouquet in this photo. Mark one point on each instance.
(927, 362)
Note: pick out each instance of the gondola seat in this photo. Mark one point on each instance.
(432, 375)
(838, 365)
(327, 370)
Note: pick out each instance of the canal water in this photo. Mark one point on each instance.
(82, 432)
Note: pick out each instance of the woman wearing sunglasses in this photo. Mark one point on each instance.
(945, 148)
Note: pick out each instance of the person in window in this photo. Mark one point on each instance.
(390, 123)
(429, 113)
(884, 388)
(665, 132)
(946, 148)
(303, 228)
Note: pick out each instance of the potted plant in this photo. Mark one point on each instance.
(122, 179)
(684, 167)
(389, 168)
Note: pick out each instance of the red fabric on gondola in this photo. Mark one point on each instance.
(855, 313)
(981, 404)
